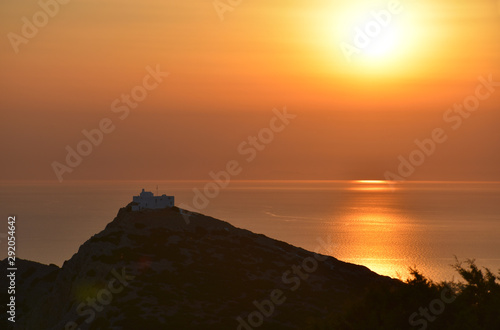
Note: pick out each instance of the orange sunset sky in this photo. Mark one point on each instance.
(229, 67)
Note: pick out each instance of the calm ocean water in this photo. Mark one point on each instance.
(388, 229)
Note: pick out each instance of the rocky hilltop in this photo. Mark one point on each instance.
(165, 269)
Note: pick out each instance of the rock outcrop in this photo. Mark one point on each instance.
(152, 269)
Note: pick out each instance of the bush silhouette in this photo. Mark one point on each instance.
(420, 303)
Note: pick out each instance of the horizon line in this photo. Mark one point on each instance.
(361, 181)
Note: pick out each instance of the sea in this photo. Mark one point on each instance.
(386, 227)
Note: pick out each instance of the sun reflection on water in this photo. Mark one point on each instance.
(375, 233)
(372, 185)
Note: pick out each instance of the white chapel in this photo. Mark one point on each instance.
(147, 200)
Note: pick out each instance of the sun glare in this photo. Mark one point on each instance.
(371, 181)
(384, 46)
(371, 185)
(381, 37)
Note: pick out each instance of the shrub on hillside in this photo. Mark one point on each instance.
(420, 303)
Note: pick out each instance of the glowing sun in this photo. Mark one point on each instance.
(380, 37)
(370, 35)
